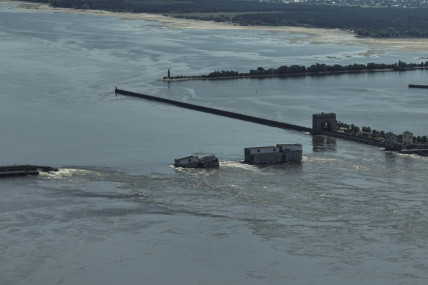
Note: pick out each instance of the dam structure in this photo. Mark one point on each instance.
(418, 86)
(218, 112)
(322, 124)
(24, 170)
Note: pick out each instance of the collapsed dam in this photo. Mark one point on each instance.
(322, 124)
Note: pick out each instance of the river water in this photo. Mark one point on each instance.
(118, 212)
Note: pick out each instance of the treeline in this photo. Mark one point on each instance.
(168, 6)
(367, 22)
(318, 69)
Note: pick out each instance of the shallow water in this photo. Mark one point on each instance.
(117, 211)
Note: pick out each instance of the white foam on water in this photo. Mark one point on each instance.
(66, 173)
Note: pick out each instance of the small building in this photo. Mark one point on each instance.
(407, 138)
(194, 161)
(391, 142)
(250, 152)
(390, 139)
(209, 161)
(187, 161)
(292, 152)
(281, 153)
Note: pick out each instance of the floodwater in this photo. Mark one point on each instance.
(117, 211)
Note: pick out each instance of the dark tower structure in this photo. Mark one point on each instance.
(324, 122)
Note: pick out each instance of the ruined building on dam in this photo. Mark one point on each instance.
(281, 153)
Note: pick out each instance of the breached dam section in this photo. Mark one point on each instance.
(24, 170)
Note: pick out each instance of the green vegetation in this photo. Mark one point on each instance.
(314, 69)
(366, 22)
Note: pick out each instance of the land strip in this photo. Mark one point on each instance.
(256, 74)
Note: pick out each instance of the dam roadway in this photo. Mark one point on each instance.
(218, 112)
(257, 120)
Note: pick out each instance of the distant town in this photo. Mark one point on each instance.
(361, 3)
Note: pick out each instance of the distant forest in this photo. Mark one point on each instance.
(365, 22)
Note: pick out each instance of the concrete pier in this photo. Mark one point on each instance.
(218, 112)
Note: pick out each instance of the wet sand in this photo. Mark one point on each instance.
(311, 35)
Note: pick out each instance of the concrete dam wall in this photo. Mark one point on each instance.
(218, 112)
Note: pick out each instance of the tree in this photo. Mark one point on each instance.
(260, 70)
(366, 129)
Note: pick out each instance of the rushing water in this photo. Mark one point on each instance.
(117, 212)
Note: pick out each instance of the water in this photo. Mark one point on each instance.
(118, 212)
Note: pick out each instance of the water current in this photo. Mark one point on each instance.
(118, 212)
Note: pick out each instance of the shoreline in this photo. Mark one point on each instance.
(311, 35)
(246, 76)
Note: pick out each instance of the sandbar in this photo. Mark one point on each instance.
(303, 34)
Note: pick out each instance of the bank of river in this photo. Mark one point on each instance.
(248, 75)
